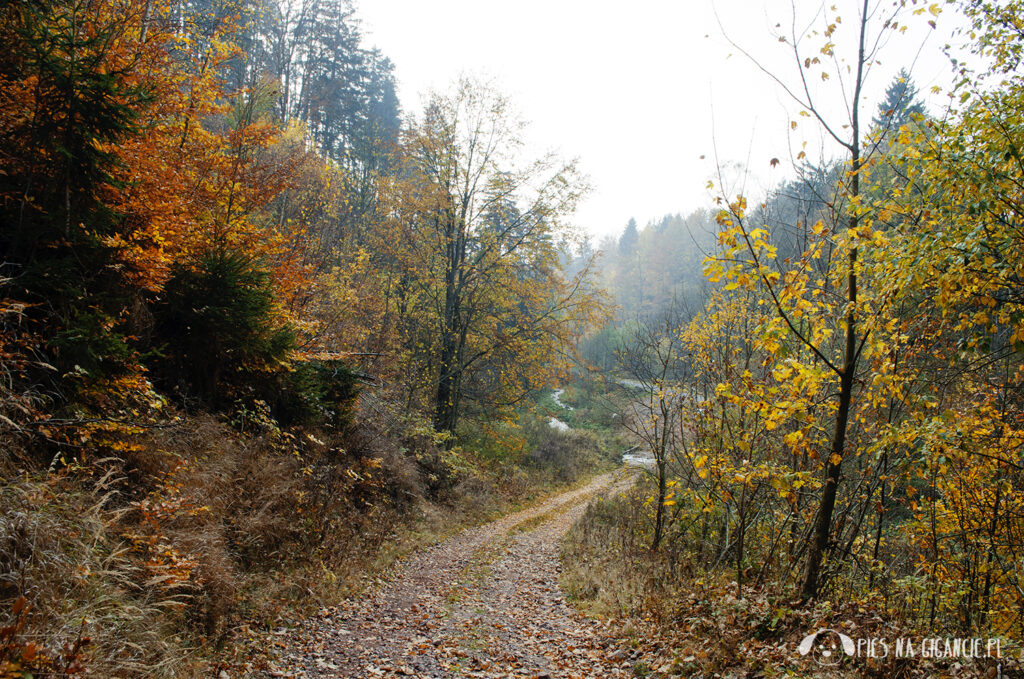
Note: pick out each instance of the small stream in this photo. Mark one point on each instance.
(554, 421)
(632, 457)
(639, 458)
(558, 424)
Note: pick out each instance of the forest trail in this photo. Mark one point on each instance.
(484, 603)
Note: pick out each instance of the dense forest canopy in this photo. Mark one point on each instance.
(220, 210)
(253, 157)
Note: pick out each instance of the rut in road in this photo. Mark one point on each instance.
(484, 603)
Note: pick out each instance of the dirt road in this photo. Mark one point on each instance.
(484, 603)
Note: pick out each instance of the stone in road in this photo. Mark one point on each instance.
(485, 603)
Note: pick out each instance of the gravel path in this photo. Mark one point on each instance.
(484, 603)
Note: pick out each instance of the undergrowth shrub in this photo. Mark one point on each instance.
(189, 530)
(217, 321)
(192, 530)
(220, 340)
(561, 456)
(696, 619)
(312, 393)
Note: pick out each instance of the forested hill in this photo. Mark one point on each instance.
(833, 421)
(645, 269)
(254, 317)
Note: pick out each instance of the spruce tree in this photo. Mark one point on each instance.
(630, 239)
(900, 105)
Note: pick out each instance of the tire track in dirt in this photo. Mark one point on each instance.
(484, 603)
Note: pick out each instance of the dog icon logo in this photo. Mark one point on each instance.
(828, 646)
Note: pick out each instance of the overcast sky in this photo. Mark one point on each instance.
(640, 91)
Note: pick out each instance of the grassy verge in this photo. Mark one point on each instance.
(177, 554)
(678, 620)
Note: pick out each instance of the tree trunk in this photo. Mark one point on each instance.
(450, 369)
(446, 406)
(823, 520)
(659, 514)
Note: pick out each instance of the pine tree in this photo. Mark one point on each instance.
(59, 166)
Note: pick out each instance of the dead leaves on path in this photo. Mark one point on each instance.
(485, 603)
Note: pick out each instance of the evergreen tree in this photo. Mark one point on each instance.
(218, 321)
(58, 171)
(629, 239)
(900, 105)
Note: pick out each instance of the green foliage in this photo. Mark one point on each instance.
(315, 393)
(88, 341)
(601, 349)
(81, 106)
(218, 321)
(900, 105)
(57, 166)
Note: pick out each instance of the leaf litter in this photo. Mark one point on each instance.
(485, 603)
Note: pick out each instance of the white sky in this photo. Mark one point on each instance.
(630, 88)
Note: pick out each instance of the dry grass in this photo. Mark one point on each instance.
(687, 621)
(175, 554)
(61, 550)
(602, 556)
(161, 554)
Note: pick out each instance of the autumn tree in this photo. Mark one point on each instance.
(475, 232)
(131, 165)
(955, 268)
(825, 316)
